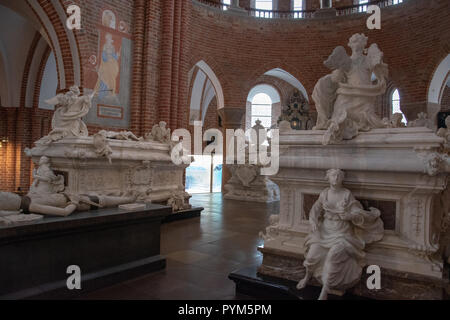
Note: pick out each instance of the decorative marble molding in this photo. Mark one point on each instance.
(434, 162)
(405, 166)
(117, 163)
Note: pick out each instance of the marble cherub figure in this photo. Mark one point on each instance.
(159, 133)
(179, 200)
(345, 99)
(67, 118)
(44, 179)
(340, 229)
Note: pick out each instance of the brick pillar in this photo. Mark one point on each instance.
(183, 96)
(10, 154)
(175, 65)
(165, 78)
(137, 72)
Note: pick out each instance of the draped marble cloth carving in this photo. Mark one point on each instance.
(345, 99)
(345, 229)
(67, 118)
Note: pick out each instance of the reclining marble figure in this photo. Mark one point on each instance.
(47, 196)
(340, 229)
(345, 99)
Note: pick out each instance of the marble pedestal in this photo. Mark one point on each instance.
(399, 171)
(139, 166)
(109, 246)
(247, 184)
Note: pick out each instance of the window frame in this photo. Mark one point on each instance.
(391, 104)
(298, 15)
(252, 122)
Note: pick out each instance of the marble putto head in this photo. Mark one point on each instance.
(358, 42)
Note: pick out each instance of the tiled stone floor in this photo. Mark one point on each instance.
(201, 252)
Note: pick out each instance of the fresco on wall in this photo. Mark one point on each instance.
(109, 73)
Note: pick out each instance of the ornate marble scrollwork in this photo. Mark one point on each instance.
(434, 162)
(271, 230)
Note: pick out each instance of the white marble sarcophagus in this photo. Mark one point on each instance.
(144, 167)
(400, 171)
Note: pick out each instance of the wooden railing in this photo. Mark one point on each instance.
(303, 14)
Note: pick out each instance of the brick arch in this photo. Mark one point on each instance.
(282, 86)
(293, 71)
(26, 71)
(439, 80)
(63, 42)
(272, 84)
(211, 73)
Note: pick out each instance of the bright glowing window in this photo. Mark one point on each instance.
(262, 109)
(395, 103)
(264, 5)
(363, 8)
(227, 2)
(297, 6)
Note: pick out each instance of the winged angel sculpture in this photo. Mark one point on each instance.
(345, 99)
(67, 118)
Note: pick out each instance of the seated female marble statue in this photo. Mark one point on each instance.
(44, 179)
(340, 229)
(47, 195)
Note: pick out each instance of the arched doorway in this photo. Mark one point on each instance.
(204, 175)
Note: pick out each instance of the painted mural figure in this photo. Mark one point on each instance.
(109, 69)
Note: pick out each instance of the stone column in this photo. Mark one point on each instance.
(138, 62)
(326, 10)
(231, 119)
(235, 7)
(325, 4)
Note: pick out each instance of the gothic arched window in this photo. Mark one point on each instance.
(395, 104)
(262, 109)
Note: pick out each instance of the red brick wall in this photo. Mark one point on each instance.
(445, 102)
(240, 49)
(170, 36)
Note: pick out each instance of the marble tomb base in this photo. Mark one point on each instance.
(402, 172)
(109, 246)
(194, 212)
